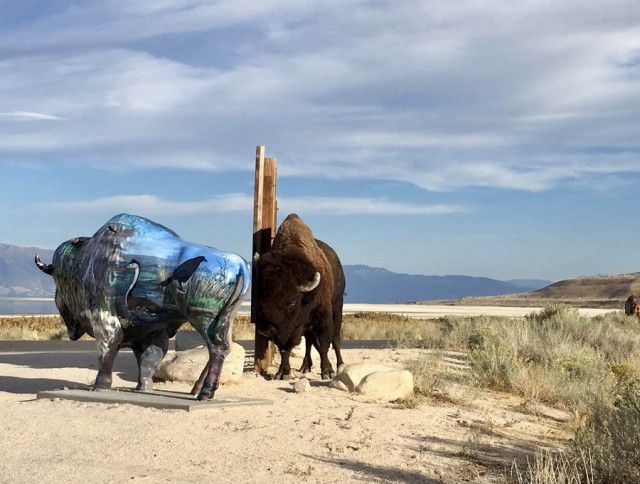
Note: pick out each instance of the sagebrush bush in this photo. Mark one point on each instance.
(428, 374)
(39, 327)
(611, 434)
(553, 467)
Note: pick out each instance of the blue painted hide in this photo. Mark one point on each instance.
(135, 282)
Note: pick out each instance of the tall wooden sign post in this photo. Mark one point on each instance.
(265, 220)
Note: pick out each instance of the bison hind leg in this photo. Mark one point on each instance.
(197, 386)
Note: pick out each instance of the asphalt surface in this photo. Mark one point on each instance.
(89, 346)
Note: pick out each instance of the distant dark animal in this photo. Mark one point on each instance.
(184, 271)
(301, 285)
(113, 286)
(632, 306)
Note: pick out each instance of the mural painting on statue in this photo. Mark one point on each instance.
(134, 283)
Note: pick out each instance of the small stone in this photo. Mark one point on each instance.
(301, 386)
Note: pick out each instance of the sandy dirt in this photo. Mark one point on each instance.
(323, 435)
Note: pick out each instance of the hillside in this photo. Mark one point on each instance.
(19, 276)
(605, 291)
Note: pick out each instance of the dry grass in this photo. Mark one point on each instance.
(359, 326)
(37, 327)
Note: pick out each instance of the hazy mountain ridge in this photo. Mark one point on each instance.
(377, 285)
(19, 276)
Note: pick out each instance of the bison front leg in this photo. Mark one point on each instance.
(284, 372)
(322, 343)
(109, 335)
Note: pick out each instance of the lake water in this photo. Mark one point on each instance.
(27, 306)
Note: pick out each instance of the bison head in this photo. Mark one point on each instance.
(64, 270)
(288, 286)
(632, 306)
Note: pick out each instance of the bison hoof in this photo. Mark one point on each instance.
(102, 384)
(205, 396)
(283, 375)
(207, 392)
(145, 386)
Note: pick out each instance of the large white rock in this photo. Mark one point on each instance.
(351, 375)
(387, 385)
(374, 381)
(187, 365)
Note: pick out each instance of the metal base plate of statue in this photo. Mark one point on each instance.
(134, 283)
(154, 399)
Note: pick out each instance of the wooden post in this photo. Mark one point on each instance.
(264, 230)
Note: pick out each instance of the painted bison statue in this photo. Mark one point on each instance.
(632, 306)
(134, 283)
(301, 286)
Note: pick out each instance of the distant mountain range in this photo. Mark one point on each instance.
(19, 277)
(376, 285)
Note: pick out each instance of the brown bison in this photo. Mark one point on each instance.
(632, 306)
(301, 286)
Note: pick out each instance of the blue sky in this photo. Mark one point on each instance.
(484, 138)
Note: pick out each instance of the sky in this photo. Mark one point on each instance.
(482, 138)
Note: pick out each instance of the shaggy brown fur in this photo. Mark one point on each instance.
(632, 306)
(284, 311)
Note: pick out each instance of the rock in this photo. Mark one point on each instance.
(301, 386)
(387, 385)
(187, 339)
(352, 375)
(338, 385)
(374, 381)
(187, 365)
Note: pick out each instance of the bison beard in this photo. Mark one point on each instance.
(300, 283)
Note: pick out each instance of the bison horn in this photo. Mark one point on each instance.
(311, 285)
(46, 268)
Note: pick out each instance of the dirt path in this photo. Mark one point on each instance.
(323, 435)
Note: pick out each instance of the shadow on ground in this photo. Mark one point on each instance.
(125, 368)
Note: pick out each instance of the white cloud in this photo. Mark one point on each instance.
(237, 202)
(446, 96)
(28, 116)
(362, 206)
(153, 205)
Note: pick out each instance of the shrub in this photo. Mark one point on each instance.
(427, 374)
(549, 467)
(611, 434)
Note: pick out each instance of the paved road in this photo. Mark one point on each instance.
(89, 346)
